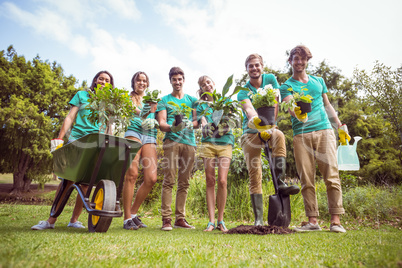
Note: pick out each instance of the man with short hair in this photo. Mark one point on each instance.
(314, 141)
(179, 150)
(254, 136)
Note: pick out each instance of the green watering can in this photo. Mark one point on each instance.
(347, 156)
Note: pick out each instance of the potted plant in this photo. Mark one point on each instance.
(180, 111)
(263, 102)
(224, 110)
(110, 106)
(152, 98)
(299, 99)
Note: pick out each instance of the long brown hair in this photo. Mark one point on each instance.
(93, 85)
(201, 91)
(137, 99)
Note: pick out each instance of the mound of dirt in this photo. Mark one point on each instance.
(259, 230)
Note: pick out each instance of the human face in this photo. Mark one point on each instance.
(298, 63)
(102, 79)
(254, 68)
(177, 82)
(208, 85)
(141, 83)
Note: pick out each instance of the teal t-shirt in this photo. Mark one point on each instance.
(317, 118)
(228, 138)
(185, 136)
(82, 125)
(243, 94)
(135, 125)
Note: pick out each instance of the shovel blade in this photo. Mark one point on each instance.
(279, 210)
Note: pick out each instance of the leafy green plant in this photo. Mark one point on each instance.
(181, 109)
(222, 106)
(265, 97)
(151, 96)
(297, 96)
(108, 106)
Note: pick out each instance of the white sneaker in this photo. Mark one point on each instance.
(308, 227)
(42, 225)
(76, 224)
(337, 228)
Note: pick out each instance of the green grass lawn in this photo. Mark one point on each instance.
(65, 247)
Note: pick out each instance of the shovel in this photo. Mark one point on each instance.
(279, 205)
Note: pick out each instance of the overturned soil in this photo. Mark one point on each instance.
(33, 196)
(259, 230)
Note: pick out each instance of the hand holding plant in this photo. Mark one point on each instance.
(265, 97)
(297, 98)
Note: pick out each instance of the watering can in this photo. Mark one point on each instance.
(347, 156)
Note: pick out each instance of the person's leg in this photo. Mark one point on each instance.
(169, 165)
(209, 166)
(327, 163)
(223, 170)
(129, 182)
(79, 205)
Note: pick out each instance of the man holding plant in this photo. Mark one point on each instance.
(179, 148)
(314, 140)
(254, 136)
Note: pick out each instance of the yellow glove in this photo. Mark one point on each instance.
(343, 134)
(254, 123)
(301, 117)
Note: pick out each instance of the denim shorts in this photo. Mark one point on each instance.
(144, 139)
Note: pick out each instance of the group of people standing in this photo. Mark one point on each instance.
(314, 142)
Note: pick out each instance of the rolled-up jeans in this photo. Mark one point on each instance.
(318, 147)
(252, 145)
(180, 157)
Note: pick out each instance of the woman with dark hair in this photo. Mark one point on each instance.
(216, 151)
(141, 129)
(82, 127)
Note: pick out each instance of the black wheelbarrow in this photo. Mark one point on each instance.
(95, 159)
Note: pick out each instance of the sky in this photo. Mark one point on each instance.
(202, 37)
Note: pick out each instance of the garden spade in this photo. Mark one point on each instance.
(279, 205)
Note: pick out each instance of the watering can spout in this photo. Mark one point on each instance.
(356, 138)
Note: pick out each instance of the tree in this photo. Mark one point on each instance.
(33, 102)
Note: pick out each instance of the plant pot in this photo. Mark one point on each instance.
(178, 118)
(216, 131)
(267, 115)
(304, 106)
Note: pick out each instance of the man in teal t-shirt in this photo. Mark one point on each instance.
(314, 141)
(251, 140)
(179, 150)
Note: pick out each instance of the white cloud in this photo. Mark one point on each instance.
(125, 8)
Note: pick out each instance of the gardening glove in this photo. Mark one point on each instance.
(56, 144)
(254, 123)
(266, 134)
(149, 123)
(301, 117)
(208, 130)
(343, 134)
(146, 110)
(223, 129)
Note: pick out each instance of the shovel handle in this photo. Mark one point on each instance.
(269, 157)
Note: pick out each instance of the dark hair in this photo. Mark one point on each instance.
(93, 85)
(302, 50)
(175, 71)
(134, 93)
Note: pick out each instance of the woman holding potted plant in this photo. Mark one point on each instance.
(215, 150)
(143, 131)
(78, 116)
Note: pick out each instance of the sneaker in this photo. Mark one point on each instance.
(76, 224)
(42, 225)
(138, 222)
(130, 225)
(308, 227)
(182, 223)
(337, 228)
(167, 225)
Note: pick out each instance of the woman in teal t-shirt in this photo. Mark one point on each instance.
(144, 132)
(81, 128)
(214, 150)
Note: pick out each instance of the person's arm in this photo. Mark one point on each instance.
(195, 121)
(248, 108)
(286, 99)
(333, 117)
(68, 121)
(161, 117)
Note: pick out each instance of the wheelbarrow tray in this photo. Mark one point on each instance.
(76, 160)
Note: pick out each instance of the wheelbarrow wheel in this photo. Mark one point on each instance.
(104, 198)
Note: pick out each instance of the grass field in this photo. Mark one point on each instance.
(65, 247)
